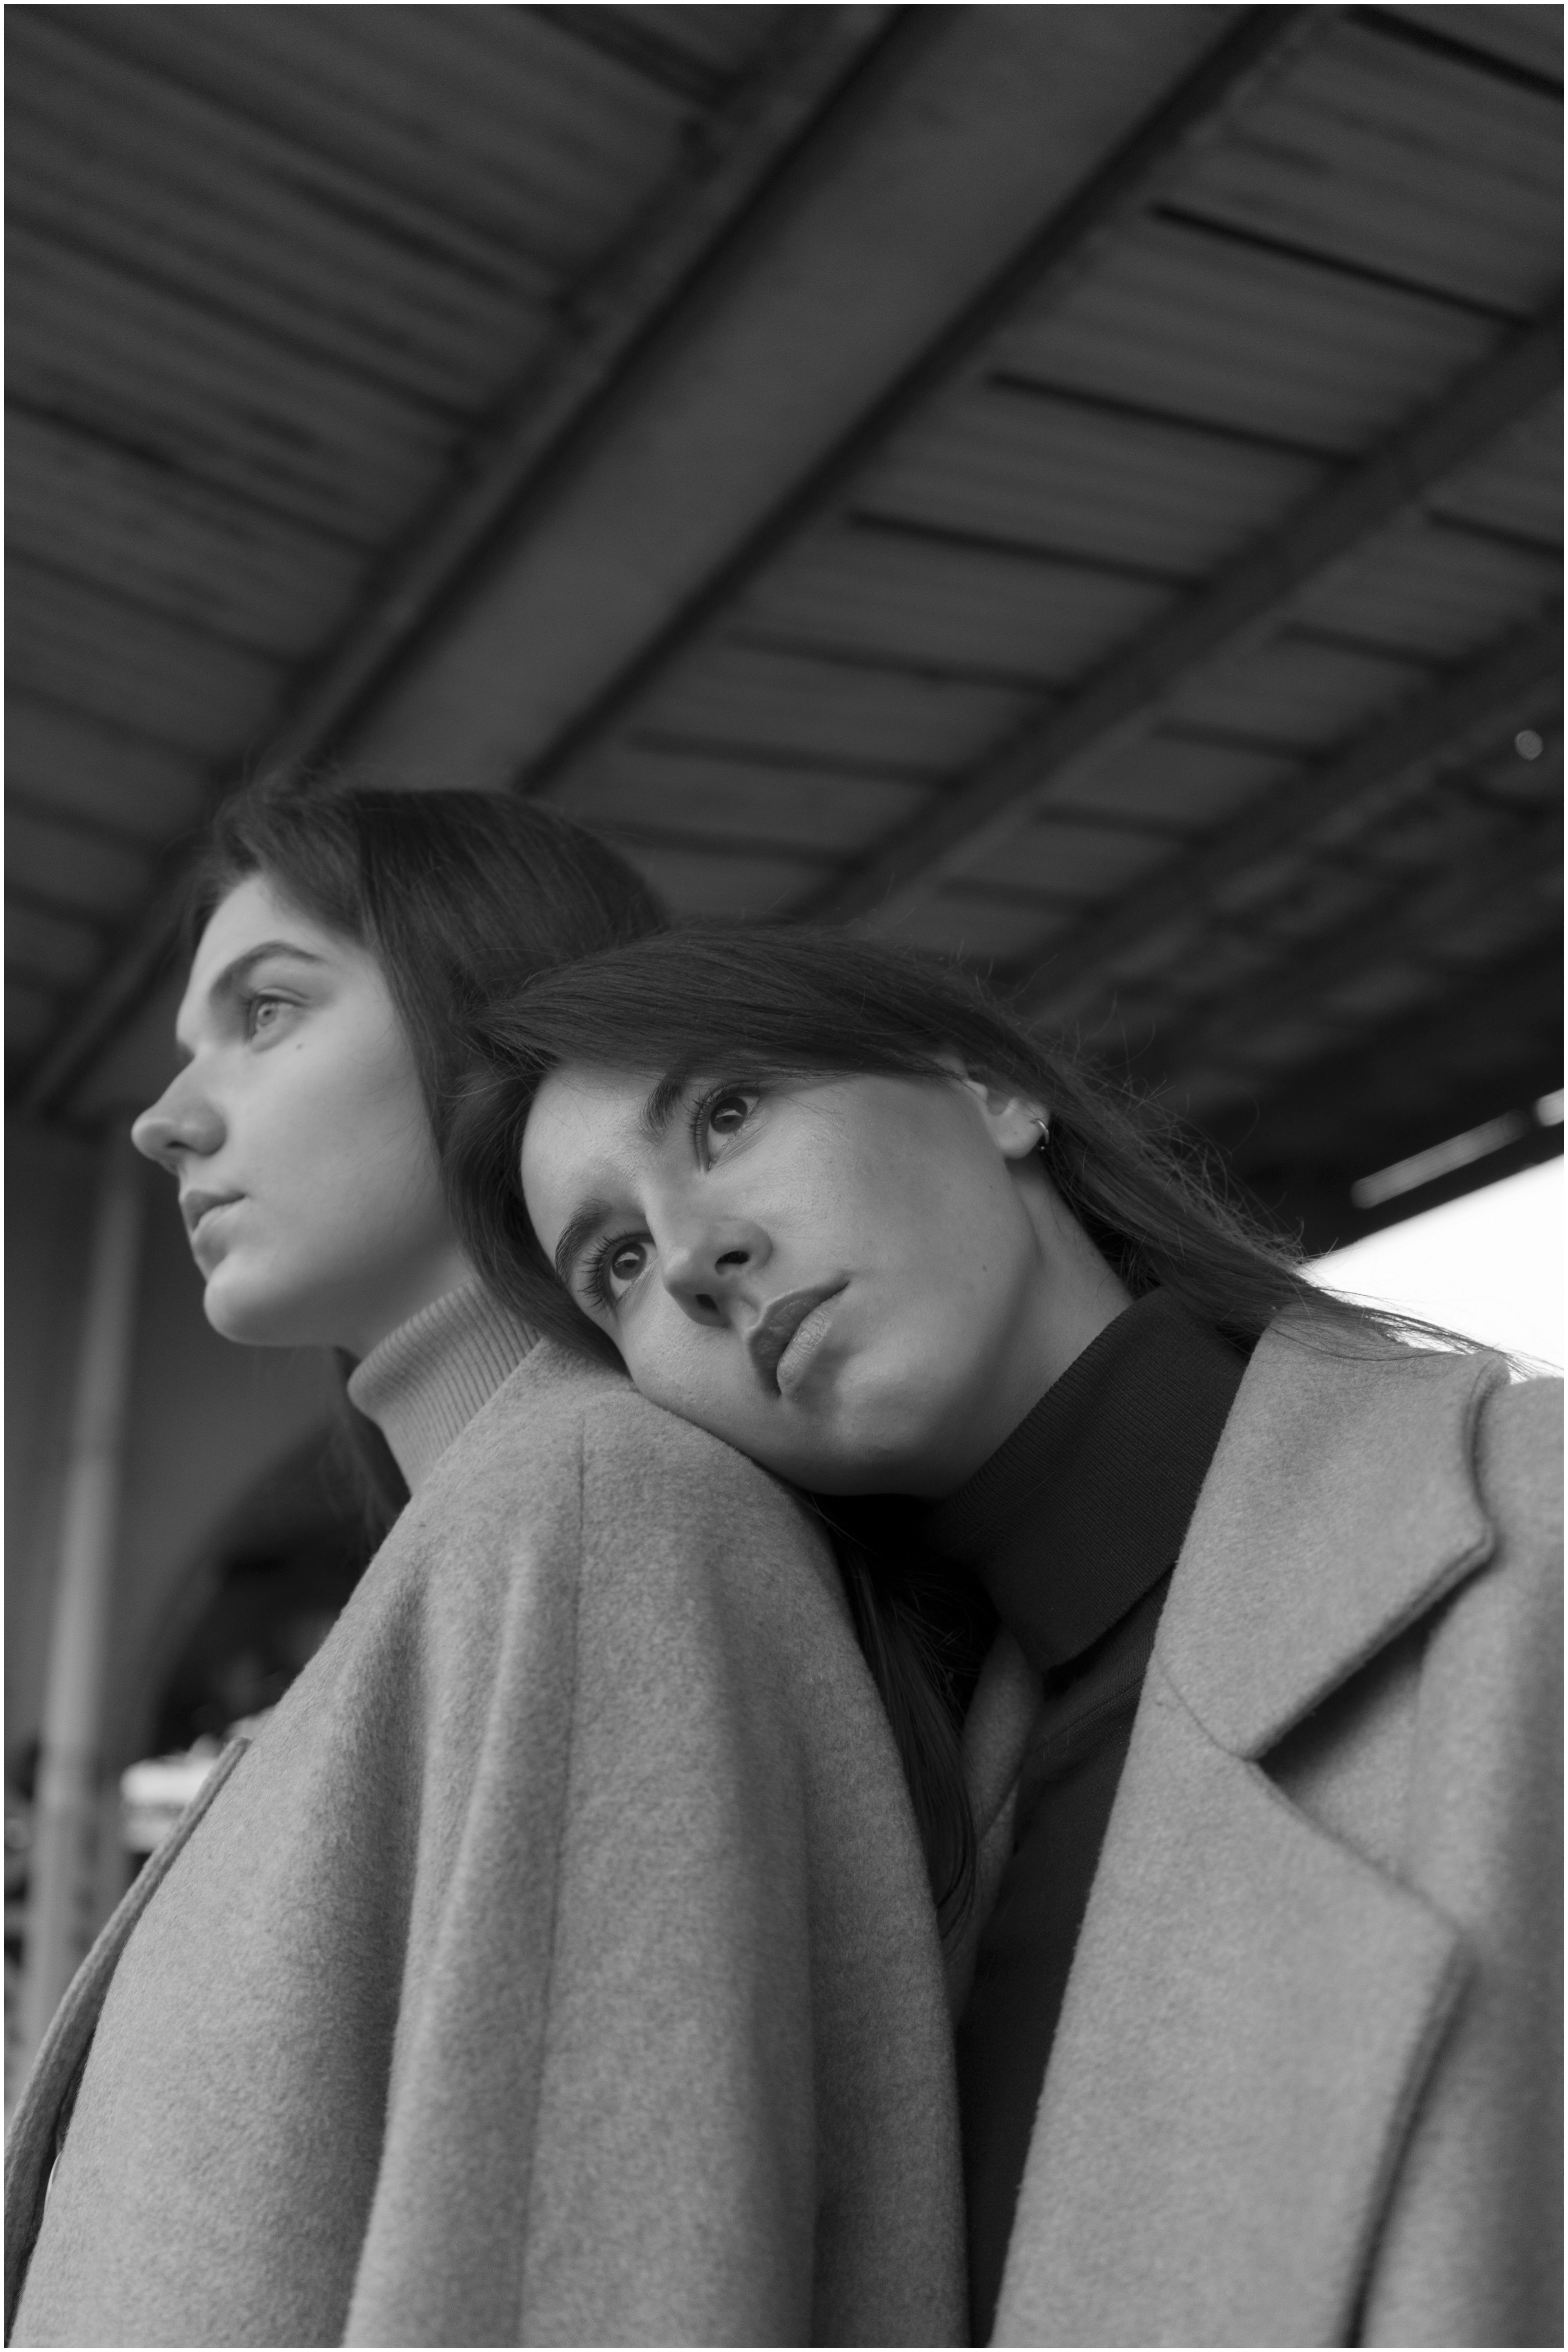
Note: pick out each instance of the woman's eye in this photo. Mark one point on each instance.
(727, 1113)
(261, 1014)
(625, 1261)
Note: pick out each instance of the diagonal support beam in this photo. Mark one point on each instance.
(816, 72)
(1401, 919)
(1415, 925)
(819, 62)
(1475, 699)
(832, 70)
(1259, 45)
(1515, 1006)
(1477, 1048)
(1242, 607)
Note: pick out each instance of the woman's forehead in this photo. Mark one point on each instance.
(599, 1102)
(252, 909)
(582, 1118)
(253, 922)
(586, 1150)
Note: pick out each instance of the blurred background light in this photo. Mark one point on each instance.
(1490, 1263)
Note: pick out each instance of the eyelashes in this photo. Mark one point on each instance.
(595, 1275)
(707, 1105)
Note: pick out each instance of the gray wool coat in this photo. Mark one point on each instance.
(556, 1967)
(1306, 2086)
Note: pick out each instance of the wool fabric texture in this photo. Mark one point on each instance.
(1306, 2085)
(558, 1965)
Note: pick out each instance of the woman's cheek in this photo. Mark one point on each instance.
(654, 1374)
(703, 1385)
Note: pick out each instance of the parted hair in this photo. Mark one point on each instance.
(461, 895)
(741, 1002)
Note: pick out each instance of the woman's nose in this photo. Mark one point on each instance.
(181, 1120)
(706, 1270)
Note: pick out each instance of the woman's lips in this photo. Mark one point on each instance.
(201, 1214)
(786, 1334)
(195, 1206)
(809, 1333)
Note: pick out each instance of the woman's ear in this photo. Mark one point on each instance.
(1017, 1123)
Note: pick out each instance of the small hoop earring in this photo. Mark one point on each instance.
(1045, 1126)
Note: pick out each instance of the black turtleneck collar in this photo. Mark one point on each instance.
(1082, 1510)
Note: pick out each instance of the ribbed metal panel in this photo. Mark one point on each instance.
(271, 270)
(275, 273)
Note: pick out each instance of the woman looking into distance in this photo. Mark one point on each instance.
(556, 1964)
(1261, 1762)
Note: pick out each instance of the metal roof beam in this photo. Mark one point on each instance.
(1476, 699)
(400, 687)
(1413, 925)
(807, 62)
(805, 68)
(1338, 1111)
(1242, 607)
(1121, 191)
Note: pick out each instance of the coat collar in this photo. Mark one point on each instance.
(1255, 2005)
(1340, 1506)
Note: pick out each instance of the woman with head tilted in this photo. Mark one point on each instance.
(1258, 1767)
(556, 1963)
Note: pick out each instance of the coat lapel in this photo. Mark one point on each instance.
(1198, 2174)
(1254, 2005)
(1339, 1508)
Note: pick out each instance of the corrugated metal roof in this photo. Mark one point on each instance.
(277, 273)
(272, 271)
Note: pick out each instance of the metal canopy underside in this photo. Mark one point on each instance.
(1076, 488)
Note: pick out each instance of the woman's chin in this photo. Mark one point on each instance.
(253, 1317)
(868, 1459)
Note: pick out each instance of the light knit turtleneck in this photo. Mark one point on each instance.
(424, 1382)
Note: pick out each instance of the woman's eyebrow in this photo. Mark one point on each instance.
(229, 979)
(661, 1106)
(579, 1228)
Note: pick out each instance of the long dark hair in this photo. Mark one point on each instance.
(751, 1003)
(765, 1001)
(457, 895)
